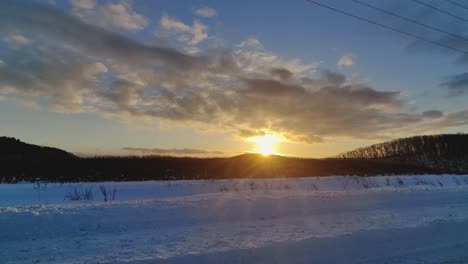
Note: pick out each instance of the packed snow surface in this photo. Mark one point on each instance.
(340, 219)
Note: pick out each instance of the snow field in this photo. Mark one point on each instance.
(385, 219)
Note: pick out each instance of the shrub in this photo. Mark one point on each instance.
(114, 191)
(456, 180)
(74, 195)
(78, 194)
(88, 194)
(400, 181)
(106, 194)
(252, 186)
(314, 186)
(223, 189)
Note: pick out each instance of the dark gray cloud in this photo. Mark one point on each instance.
(62, 78)
(283, 74)
(46, 21)
(123, 93)
(456, 84)
(454, 119)
(262, 87)
(327, 78)
(174, 151)
(433, 114)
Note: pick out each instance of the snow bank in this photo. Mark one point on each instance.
(57, 193)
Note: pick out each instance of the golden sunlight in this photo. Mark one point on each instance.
(266, 144)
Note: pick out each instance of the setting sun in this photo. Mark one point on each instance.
(266, 144)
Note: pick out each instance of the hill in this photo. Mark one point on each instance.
(419, 155)
(447, 153)
(13, 149)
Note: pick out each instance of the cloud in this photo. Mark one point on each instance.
(206, 12)
(309, 111)
(346, 61)
(252, 43)
(63, 80)
(433, 114)
(447, 120)
(80, 67)
(282, 73)
(16, 41)
(83, 4)
(119, 15)
(252, 58)
(189, 34)
(456, 84)
(71, 35)
(453, 119)
(123, 93)
(174, 151)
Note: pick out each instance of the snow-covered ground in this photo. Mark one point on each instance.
(341, 219)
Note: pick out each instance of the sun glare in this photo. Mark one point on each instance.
(266, 144)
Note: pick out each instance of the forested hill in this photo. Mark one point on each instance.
(13, 149)
(444, 152)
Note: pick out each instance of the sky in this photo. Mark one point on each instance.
(221, 78)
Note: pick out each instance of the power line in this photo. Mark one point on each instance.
(411, 20)
(457, 4)
(387, 27)
(440, 10)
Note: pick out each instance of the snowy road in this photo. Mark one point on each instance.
(375, 225)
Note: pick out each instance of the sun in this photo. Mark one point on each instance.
(265, 144)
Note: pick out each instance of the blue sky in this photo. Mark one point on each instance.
(204, 77)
